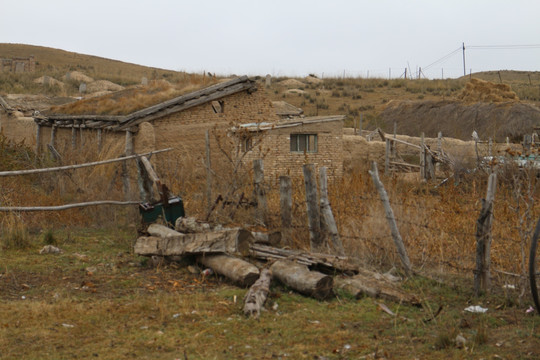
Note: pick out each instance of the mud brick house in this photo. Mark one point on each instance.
(18, 65)
(288, 144)
(181, 123)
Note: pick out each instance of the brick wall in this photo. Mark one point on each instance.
(279, 160)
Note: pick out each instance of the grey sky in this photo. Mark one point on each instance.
(285, 38)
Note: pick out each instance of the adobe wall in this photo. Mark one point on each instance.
(279, 160)
(185, 131)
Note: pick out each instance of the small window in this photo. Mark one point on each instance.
(218, 106)
(247, 144)
(304, 143)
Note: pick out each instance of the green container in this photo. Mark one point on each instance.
(170, 212)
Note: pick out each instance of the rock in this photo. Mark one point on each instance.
(460, 341)
(49, 249)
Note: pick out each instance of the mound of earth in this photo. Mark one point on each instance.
(485, 91)
(458, 119)
(49, 81)
(292, 83)
(313, 80)
(295, 91)
(103, 85)
(78, 77)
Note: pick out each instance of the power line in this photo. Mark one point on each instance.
(444, 58)
(503, 47)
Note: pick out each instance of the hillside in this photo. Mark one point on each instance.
(358, 98)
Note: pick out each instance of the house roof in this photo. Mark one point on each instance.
(264, 126)
(180, 103)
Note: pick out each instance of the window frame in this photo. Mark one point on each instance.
(303, 143)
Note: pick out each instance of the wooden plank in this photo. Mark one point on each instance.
(404, 164)
(150, 170)
(71, 167)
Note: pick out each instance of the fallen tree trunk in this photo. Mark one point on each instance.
(321, 262)
(365, 285)
(225, 241)
(299, 278)
(162, 231)
(257, 294)
(237, 270)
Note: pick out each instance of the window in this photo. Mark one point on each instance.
(304, 143)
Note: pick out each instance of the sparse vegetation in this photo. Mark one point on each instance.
(97, 299)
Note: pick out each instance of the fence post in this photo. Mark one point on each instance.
(387, 158)
(314, 215)
(208, 174)
(125, 171)
(38, 139)
(328, 222)
(398, 241)
(260, 193)
(482, 276)
(285, 204)
(422, 158)
(73, 136)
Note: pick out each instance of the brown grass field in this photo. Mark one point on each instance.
(97, 299)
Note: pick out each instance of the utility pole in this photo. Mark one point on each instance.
(464, 71)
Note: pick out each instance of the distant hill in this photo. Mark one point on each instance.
(56, 61)
(360, 99)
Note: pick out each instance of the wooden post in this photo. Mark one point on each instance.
(81, 133)
(402, 251)
(354, 126)
(208, 175)
(285, 202)
(38, 139)
(99, 140)
(73, 136)
(439, 141)
(144, 181)
(260, 193)
(360, 125)
(482, 276)
(328, 223)
(387, 158)
(314, 216)
(125, 172)
(422, 158)
(53, 136)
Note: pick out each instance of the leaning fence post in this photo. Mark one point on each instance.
(482, 276)
(328, 223)
(398, 241)
(314, 215)
(285, 204)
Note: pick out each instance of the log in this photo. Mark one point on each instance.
(225, 241)
(257, 294)
(237, 270)
(328, 223)
(272, 239)
(321, 262)
(162, 231)
(374, 286)
(316, 239)
(299, 278)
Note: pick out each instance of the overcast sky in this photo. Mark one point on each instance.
(287, 38)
